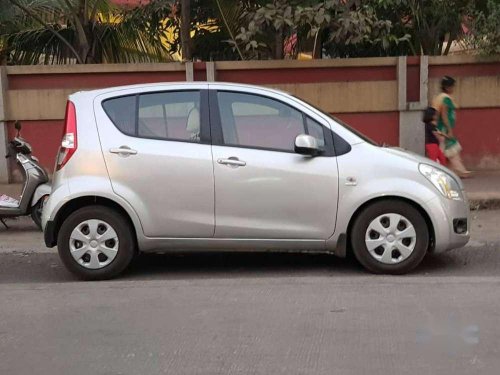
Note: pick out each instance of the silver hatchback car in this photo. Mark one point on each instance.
(220, 166)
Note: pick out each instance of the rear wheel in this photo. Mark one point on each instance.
(96, 243)
(390, 237)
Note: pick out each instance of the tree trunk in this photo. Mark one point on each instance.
(451, 39)
(317, 46)
(82, 41)
(278, 45)
(186, 30)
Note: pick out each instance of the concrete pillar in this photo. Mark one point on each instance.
(411, 129)
(402, 83)
(211, 74)
(189, 71)
(424, 80)
(4, 171)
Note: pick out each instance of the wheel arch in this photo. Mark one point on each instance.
(417, 206)
(76, 203)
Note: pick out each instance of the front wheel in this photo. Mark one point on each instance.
(390, 237)
(96, 243)
(36, 213)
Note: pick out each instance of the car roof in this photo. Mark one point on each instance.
(182, 84)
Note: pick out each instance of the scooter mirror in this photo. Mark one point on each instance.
(17, 126)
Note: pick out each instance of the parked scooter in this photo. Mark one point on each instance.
(35, 190)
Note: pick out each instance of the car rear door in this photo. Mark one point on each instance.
(156, 145)
(263, 189)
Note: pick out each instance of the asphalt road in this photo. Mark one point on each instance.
(251, 313)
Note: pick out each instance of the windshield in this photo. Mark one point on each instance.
(342, 123)
(352, 130)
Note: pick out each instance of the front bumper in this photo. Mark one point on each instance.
(451, 222)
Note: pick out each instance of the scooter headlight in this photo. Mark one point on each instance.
(446, 184)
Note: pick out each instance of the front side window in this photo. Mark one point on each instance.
(315, 129)
(162, 115)
(260, 122)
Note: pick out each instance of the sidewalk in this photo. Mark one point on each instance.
(483, 189)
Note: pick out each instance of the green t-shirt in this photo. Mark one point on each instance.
(450, 114)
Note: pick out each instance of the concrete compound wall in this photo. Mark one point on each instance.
(382, 97)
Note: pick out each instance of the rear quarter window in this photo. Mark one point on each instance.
(121, 111)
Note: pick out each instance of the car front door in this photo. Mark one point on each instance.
(263, 189)
(158, 154)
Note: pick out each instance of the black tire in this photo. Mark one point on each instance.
(126, 242)
(372, 212)
(36, 213)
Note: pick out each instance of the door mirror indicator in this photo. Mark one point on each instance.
(307, 145)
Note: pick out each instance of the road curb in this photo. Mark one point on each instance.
(484, 203)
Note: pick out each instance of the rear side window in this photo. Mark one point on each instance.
(122, 112)
(160, 115)
(170, 115)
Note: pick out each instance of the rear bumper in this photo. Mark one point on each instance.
(49, 234)
(41, 191)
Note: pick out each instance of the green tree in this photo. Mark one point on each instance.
(486, 28)
(317, 25)
(11, 21)
(83, 31)
(355, 28)
(210, 24)
(433, 25)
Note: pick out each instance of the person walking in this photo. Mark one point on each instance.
(432, 149)
(446, 110)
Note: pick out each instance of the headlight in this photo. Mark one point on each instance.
(442, 181)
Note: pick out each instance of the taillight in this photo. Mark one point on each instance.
(69, 142)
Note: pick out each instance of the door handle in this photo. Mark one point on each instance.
(232, 161)
(123, 151)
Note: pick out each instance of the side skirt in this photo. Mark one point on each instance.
(231, 244)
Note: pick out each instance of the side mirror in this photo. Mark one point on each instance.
(306, 145)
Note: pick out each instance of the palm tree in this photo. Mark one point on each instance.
(9, 23)
(230, 14)
(83, 32)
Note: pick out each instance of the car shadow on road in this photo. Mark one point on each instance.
(20, 268)
(461, 262)
(239, 264)
(47, 267)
